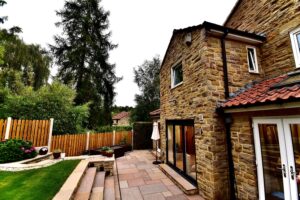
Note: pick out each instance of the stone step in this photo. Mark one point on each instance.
(86, 184)
(109, 188)
(98, 187)
(181, 182)
(117, 187)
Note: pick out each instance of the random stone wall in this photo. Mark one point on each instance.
(275, 19)
(243, 150)
(244, 157)
(200, 92)
(187, 101)
(124, 121)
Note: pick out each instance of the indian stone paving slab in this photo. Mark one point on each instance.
(141, 180)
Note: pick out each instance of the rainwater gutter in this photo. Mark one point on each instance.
(227, 117)
(228, 120)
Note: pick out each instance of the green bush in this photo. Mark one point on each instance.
(51, 101)
(15, 150)
(105, 129)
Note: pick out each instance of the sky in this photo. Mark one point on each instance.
(141, 28)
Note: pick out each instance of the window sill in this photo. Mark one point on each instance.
(175, 86)
(255, 73)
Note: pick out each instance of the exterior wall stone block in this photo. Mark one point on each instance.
(275, 19)
(200, 92)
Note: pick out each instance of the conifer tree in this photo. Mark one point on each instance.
(82, 53)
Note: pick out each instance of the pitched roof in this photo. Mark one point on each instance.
(282, 88)
(238, 2)
(120, 115)
(212, 26)
(155, 112)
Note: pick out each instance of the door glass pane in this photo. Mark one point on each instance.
(179, 147)
(190, 151)
(295, 133)
(271, 161)
(170, 144)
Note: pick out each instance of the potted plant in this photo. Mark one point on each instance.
(109, 153)
(103, 150)
(56, 153)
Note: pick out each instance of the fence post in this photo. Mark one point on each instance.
(7, 128)
(114, 137)
(50, 134)
(87, 141)
(132, 133)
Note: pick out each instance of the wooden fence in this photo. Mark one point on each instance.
(76, 144)
(36, 131)
(72, 145)
(2, 129)
(39, 132)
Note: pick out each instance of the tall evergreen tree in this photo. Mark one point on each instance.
(146, 77)
(82, 53)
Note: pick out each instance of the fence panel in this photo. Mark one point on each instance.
(72, 145)
(123, 136)
(75, 144)
(2, 129)
(98, 140)
(36, 131)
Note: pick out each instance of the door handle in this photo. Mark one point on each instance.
(283, 169)
(292, 173)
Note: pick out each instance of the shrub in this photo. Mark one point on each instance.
(104, 129)
(51, 101)
(15, 150)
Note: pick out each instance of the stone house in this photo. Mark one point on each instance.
(230, 103)
(121, 119)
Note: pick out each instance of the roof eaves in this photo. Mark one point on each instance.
(211, 26)
(176, 31)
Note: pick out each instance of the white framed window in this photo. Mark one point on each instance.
(176, 75)
(252, 59)
(295, 39)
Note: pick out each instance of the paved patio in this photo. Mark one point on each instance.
(141, 180)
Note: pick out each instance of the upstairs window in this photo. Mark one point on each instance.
(295, 38)
(252, 60)
(176, 75)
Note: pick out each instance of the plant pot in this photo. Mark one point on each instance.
(56, 155)
(109, 154)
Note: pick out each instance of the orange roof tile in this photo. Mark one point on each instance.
(269, 90)
(120, 115)
(155, 112)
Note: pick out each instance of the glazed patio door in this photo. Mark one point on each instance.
(181, 149)
(274, 141)
(292, 132)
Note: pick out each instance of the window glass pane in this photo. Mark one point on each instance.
(179, 147)
(271, 160)
(251, 59)
(190, 151)
(295, 131)
(177, 75)
(298, 40)
(170, 144)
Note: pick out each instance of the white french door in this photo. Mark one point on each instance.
(277, 148)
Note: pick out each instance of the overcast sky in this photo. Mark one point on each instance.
(141, 28)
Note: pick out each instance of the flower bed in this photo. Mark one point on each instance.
(15, 150)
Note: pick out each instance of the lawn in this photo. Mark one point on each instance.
(37, 184)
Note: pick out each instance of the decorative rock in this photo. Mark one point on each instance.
(43, 151)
